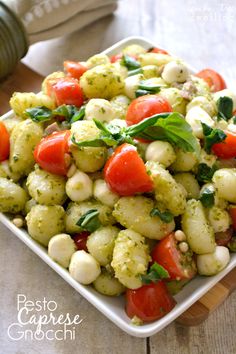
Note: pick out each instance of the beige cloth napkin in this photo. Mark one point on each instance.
(45, 19)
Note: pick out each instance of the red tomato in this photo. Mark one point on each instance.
(222, 238)
(227, 148)
(179, 265)
(158, 50)
(214, 80)
(74, 69)
(81, 240)
(4, 142)
(117, 57)
(52, 153)
(232, 213)
(150, 302)
(67, 91)
(146, 106)
(126, 173)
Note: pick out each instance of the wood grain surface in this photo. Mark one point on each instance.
(201, 32)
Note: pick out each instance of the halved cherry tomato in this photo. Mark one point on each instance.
(179, 265)
(158, 50)
(214, 80)
(232, 213)
(150, 302)
(52, 153)
(227, 148)
(81, 240)
(4, 142)
(126, 173)
(118, 56)
(67, 91)
(223, 238)
(146, 106)
(74, 69)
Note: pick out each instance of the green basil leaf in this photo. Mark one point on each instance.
(102, 141)
(155, 273)
(138, 128)
(232, 244)
(205, 172)
(234, 119)
(78, 115)
(207, 198)
(146, 87)
(90, 220)
(39, 114)
(212, 136)
(135, 72)
(139, 93)
(129, 62)
(165, 216)
(225, 108)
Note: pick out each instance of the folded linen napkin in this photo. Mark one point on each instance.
(45, 19)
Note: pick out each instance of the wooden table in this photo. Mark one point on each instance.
(201, 32)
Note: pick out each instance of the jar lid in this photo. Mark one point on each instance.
(13, 40)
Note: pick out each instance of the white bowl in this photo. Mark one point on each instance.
(113, 308)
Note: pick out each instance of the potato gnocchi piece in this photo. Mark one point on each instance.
(97, 59)
(199, 233)
(173, 96)
(6, 172)
(101, 243)
(61, 248)
(134, 49)
(103, 81)
(29, 205)
(120, 104)
(45, 221)
(25, 136)
(150, 71)
(219, 219)
(12, 197)
(51, 78)
(168, 192)
(225, 183)
(195, 116)
(103, 193)
(130, 258)
(100, 109)
(87, 159)
(46, 188)
(11, 122)
(185, 161)
(190, 184)
(205, 103)
(160, 151)
(134, 213)
(107, 284)
(21, 101)
(75, 211)
(157, 59)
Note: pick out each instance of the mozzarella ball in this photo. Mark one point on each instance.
(185, 161)
(160, 151)
(195, 116)
(132, 84)
(60, 249)
(175, 72)
(103, 193)
(101, 242)
(225, 183)
(203, 102)
(190, 184)
(97, 59)
(213, 263)
(225, 93)
(46, 188)
(45, 221)
(100, 109)
(84, 268)
(107, 284)
(79, 187)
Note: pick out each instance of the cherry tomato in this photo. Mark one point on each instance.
(118, 57)
(179, 265)
(4, 142)
(227, 148)
(67, 91)
(74, 69)
(52, 153)
(150, 302)
(222, 238)
(81, 240)
(146, 106)
(232, 213)
(158, 50)
(126, 173)
(214, 80)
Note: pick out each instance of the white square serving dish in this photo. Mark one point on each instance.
(113, 308)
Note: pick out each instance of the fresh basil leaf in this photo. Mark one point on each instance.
(225, 108)
(139, 93)
(212, 136)
(138, 128)
(165, 216)
(39, 114)
(234, 119)
(155, 273)
(78, 115)
(173, 129)
(102, 141)
(90, 220)
(146, 87)
(135, 72)
(129, 62)
(205, 172)
(63, 111)
(207, 198)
